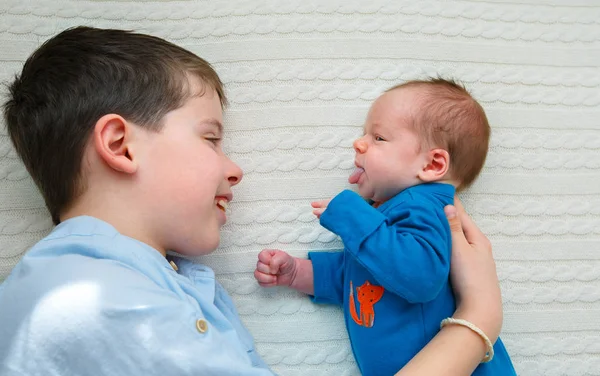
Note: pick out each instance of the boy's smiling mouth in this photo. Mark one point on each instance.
(222, 204)
(223, 201)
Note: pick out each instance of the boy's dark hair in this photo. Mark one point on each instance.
(77, 77)
(450, 118)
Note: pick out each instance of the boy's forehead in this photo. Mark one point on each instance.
(197, 87)
(203, 109)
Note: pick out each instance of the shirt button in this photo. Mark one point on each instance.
(173, 265)
(202, 325)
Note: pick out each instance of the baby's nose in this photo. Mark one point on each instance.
(360, 146)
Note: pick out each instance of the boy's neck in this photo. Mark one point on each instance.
(127, 222)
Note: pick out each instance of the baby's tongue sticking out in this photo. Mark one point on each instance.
(353, 179)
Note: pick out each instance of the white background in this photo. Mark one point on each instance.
(300, 75)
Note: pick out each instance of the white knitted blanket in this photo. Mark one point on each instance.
(300, 75)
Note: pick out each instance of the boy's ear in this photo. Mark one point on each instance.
(437, 163)
(113, 143)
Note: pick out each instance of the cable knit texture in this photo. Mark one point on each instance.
(300, 76)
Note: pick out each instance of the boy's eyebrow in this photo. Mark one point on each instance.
(213, 122)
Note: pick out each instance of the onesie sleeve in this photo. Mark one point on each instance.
(407, 250)
(328, 276)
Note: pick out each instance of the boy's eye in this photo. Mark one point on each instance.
(214, 140)
(379, 138)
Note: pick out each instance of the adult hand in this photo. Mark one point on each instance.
(473, 274)
(456, 350)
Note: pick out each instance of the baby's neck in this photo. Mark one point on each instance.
(377, 204)
(452, 182)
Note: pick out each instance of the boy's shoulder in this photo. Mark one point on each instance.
(86, 294)
(85, 258)
(84, 268)
(90, 244)
(85, 288)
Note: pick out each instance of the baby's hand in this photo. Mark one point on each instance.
(275, 268)
(319, 206)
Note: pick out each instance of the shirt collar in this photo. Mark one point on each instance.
(90, 226)
(443, 191)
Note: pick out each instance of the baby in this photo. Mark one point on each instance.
(422, 141)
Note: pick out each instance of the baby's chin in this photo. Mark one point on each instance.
(380, 198)
(371, 199)
(365, 194)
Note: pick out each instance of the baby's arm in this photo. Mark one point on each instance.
(407, 254)
(320, 276)
(278, 268)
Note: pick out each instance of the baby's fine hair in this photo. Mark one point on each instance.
(77, 77)
(448, 117)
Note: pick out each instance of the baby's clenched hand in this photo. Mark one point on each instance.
(319, 206)
(275, 268)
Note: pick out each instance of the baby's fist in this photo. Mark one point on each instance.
(275, 268)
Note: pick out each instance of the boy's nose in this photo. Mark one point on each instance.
(360, 145)
(234, 173)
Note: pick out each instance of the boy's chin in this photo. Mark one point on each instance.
(198, 253)
(199, 249)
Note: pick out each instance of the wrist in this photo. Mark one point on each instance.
(293, 274)
(489, 348)
(302, 277)
(489, 321)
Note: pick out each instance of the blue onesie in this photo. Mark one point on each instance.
(392, 277)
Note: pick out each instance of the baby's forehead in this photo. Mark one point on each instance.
(401, 100)
(416, 101)
(399, 104)
(412, 93)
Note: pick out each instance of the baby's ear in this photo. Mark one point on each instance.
(436, 166)
(113, 143)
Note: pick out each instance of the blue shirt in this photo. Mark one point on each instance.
(392, 279)
(87, 300)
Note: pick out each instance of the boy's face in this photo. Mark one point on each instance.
(389, 151)
(187, 178)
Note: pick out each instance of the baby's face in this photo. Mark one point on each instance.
(389, 155)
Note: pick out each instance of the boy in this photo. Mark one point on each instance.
(122, 134)
(422, 140)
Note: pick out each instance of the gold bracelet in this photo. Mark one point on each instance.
(489, 355)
